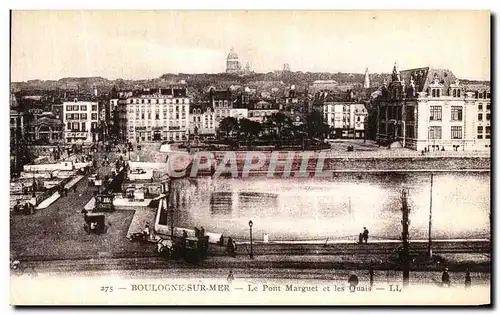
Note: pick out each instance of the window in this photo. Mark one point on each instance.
(454, 93)
(488, 106)
(68, 126)
(488, 117)
(83, 108)
(94, 108)
(488, 132)
(83, 116)
(456, 113)
(149, 115)
(436, 113)
(157, 116)
(480, 106)
(94, 116)
(456, 132)
(480, 117)
(435, 132)
(458, 93)
(84, 127)
(69, 116)
(142, 115)
(177, 101)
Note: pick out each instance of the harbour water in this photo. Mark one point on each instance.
(337, 207)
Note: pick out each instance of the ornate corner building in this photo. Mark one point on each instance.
(429, 109)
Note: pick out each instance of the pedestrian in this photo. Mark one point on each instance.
(184, 234)
(230, 276)
(202, 231)
(445, 278)
(230, 247)
(365, 235)
(468, 280)
(370, 271)
(196, 232)
(146, 231)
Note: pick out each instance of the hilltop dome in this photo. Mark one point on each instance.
(233, 63)
(232, 55)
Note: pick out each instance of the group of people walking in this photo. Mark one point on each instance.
(446, 281)
(363, 236)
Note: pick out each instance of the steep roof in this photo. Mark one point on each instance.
(423, 77)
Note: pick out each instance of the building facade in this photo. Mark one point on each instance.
(46, 129)
(203, 122)
(481, 96)
(262, 110)
(429, 109)
(81, 121)
(156, 115)
(346, 119)
(221, 103)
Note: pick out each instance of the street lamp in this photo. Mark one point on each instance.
(250, 224)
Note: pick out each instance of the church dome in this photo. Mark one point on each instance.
(232, 55)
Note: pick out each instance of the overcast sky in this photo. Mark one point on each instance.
(147, 44)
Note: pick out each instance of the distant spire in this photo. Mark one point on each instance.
(396, 77)
(366, 84)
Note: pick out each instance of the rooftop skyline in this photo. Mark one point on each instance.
(146, 44)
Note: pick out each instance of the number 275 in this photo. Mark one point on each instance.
(107, 289)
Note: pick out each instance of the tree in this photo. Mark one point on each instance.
(249, 129)
(315, 126)
(245, 128)
(279, 122)
(229, 126)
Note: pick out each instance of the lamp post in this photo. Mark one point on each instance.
(250, 224)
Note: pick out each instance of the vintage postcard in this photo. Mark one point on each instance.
(250, 158)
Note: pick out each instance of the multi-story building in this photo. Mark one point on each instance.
(261, 110)
(480, 95)
(114, 118)
(202, 118)
(156, 115)
(221, 103)
(346, 119)
(428, 109)
(81, 121)
(46, 129)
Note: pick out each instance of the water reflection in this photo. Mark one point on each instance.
(312, 208)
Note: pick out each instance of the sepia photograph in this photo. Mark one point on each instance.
(244, 157)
